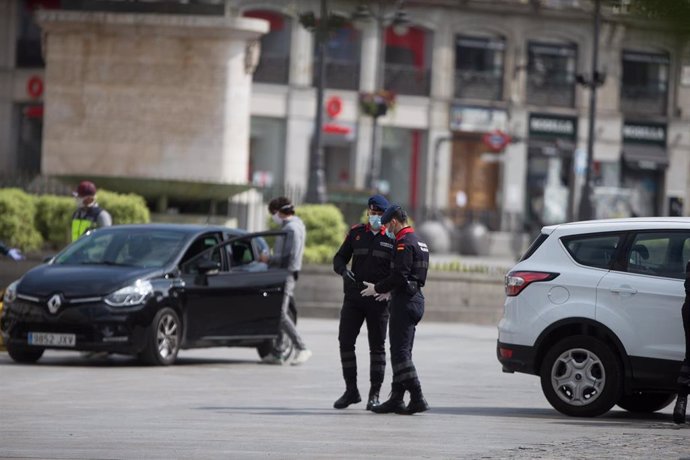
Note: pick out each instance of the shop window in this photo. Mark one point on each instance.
(342, 59)
(402, 157)
(551, 74)
(644, 87)
(274, 61)
(479, 68)
(29, 119)
(266, 151)
(407, 67)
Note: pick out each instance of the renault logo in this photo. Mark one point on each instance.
(54, 303)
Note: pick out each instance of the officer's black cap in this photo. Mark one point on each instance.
(378, 203)
(390, 212)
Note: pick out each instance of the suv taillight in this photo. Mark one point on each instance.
(517, 281)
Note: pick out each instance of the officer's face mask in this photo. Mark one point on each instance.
(277, 219)
(79, 200)
(375, 222)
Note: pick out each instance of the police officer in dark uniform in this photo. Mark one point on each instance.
(371, 252)
(408, 275)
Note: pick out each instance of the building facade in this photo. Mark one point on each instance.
(468, 76)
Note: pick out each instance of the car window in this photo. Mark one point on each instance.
(241, 253)
(190, 262)
(659, 254)
(534, 246)
(593, 250)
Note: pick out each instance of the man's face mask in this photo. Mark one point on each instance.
(390, 230)
(277, 219)
(375, 222)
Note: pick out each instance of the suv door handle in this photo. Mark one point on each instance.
(624, 290)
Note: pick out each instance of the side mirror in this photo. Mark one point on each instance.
(208, 267)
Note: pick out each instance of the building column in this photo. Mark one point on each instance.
(8, 40)
(367, 80)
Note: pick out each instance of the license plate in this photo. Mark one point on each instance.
(46, 339)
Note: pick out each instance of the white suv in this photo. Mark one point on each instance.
(594, 309)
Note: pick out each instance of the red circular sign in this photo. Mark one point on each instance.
(34, 87)
(496, 140)
(334, 106)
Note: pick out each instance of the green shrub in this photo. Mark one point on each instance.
(53, 216)
(17, 220)
(320, 254)
(325, 225)
(124, 208)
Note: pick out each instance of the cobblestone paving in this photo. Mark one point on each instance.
(668, 442)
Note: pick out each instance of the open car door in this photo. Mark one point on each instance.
(241, 296)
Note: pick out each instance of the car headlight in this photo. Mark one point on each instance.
(131, 295)
(10, 292)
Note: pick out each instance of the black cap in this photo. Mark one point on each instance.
(390, 212)
(378, 203)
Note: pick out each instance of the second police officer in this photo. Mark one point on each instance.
(408, 275)
(371, 252)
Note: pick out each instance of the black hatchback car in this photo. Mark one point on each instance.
(151, 290)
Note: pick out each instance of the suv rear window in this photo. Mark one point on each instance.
(534, 246)
(593, 250)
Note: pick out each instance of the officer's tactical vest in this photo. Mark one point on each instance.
(82, 221)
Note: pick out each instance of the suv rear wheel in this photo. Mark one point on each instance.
(646, 402)
(581, 377)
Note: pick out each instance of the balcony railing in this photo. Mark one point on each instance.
(340, 74)
(272, 69)
(471, 84)
(647, 100)
(541, 91)
(407, 79)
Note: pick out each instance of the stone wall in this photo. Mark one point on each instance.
(148, 96)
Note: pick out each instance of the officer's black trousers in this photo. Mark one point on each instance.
(406, 311)
(352, 316)
(684, 376)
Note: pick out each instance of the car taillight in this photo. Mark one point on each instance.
(517, 281)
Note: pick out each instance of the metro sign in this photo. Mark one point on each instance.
(496, 140)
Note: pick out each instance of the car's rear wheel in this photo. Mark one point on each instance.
(25, 355)
(645, 402)
(163, 339)
(280, 348)
(581, 377)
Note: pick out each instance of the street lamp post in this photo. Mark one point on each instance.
(586, 210)
(316, 186)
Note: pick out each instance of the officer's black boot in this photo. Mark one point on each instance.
(417, 402)
(394, 404)
(373, 399)
(679, 409)
(351, 396)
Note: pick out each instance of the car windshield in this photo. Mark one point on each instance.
(138, 248)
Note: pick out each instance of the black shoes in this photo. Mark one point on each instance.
(349, 397)
(679, 409)
(416, 405)
(394, 404)
(373, 399)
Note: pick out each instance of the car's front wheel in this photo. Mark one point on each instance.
(163, 338)
(581, 377)
(280, 348)
(645, 402)
(24, 355)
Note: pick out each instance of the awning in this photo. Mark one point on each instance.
(640, 156)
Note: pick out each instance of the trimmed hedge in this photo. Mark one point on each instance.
(326, 228)
(17, 224)
(26, 221)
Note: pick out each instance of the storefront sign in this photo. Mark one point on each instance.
(496, 140)
(644, 133)
(552, 126)
(477, 119)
